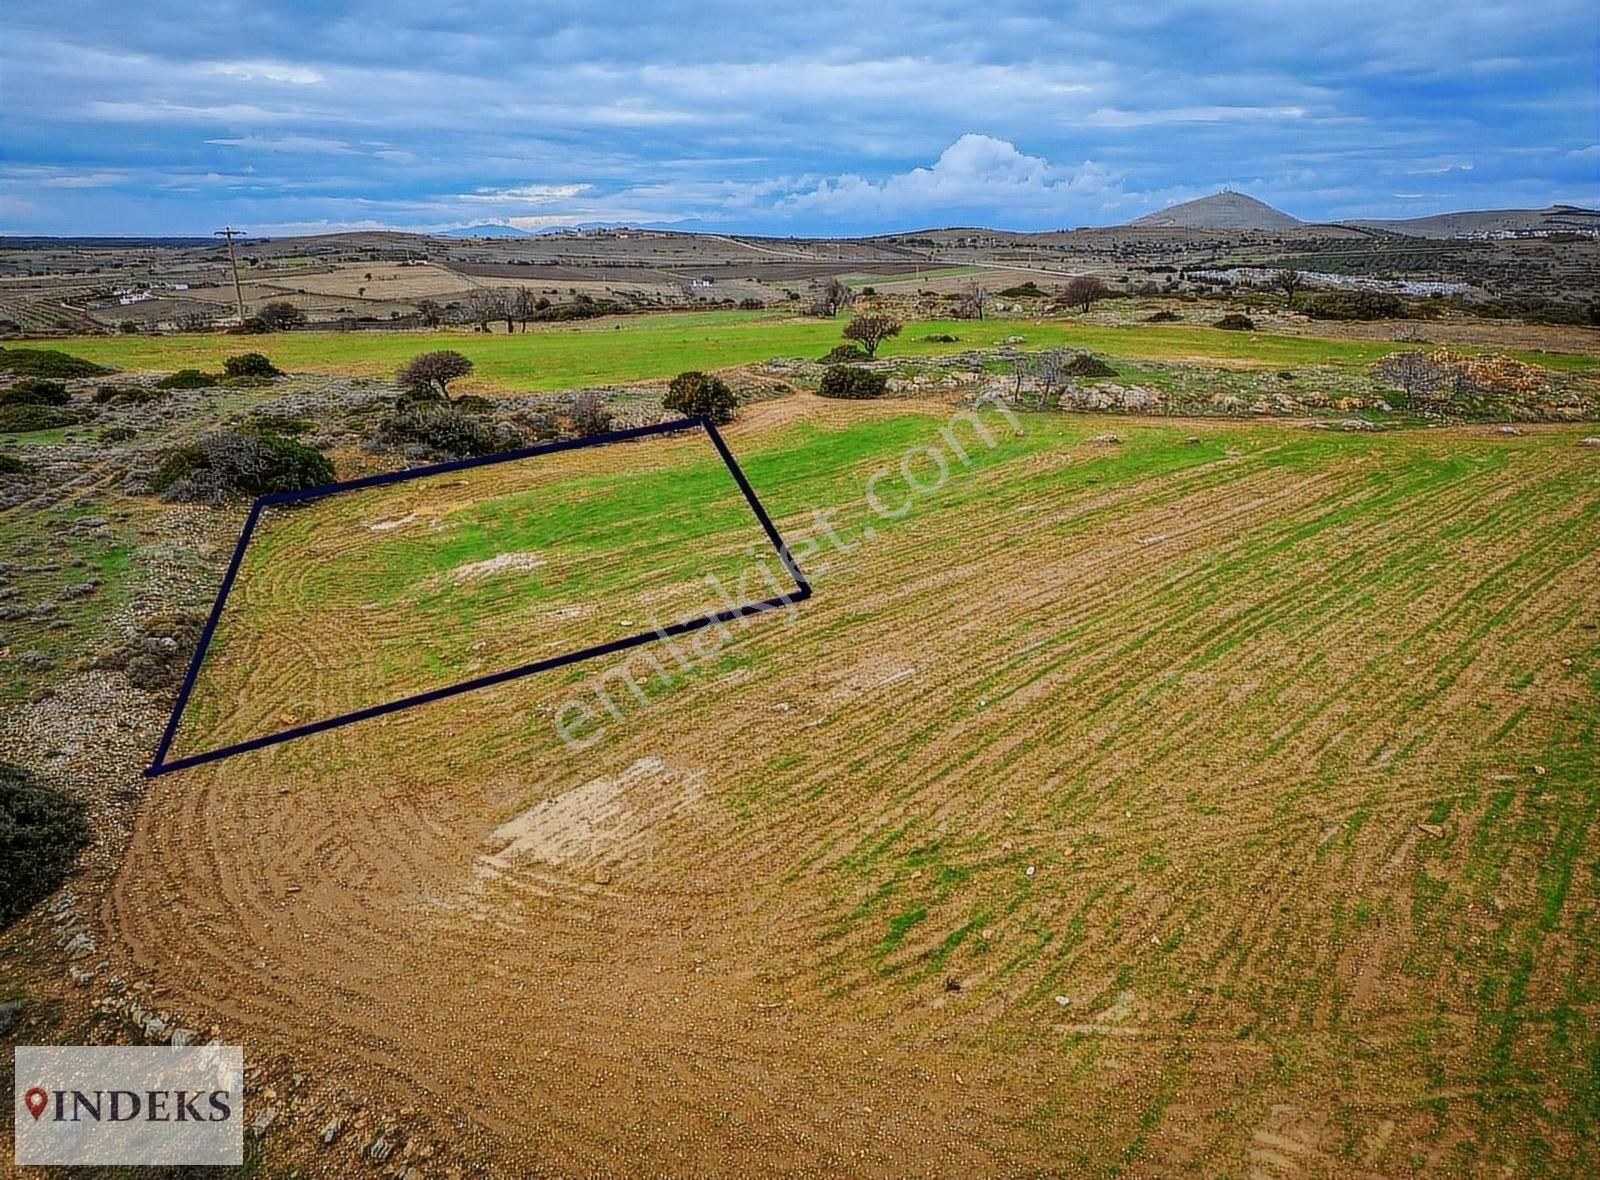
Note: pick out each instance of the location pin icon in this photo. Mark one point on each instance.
(35, 1100)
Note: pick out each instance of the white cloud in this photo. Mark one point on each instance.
(974, 172)
(306, 144)
(535, 194)
(264, 71)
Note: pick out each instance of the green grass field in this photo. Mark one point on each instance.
(641, 348)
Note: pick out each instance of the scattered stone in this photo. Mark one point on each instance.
(952, 984)
(1512, 430)
(79, 946)
(1592, 441)
(80, 976)
(10, 1013)
(1434, 830)
(80, 589)
(264, 1119)
(1063, 1001)
(1106, 440)
(36, 661)
(331, 1131)
(379, 1150)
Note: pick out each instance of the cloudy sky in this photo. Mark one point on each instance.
(158, 118)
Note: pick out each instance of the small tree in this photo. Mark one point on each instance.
(1083, 291)
(973, 301)
(830, 297)
(696, 393)
(431, 314)
(871, 329)
(524, 304)
(589, 414)
(1290, 281)
(432, 372)
(281, 317)
(482, 307)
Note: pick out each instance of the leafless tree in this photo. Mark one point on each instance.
(524, 304)
(1083, 291)
(1290, 282)
(973, 301)
(482, 307)
(429, 311)
(829, 298)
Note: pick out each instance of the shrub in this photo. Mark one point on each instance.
(1026, 290)
(47, 362)
(589, 414)
(281, 317)
(1234, 322)
(156, 656)
(1162, 317)
(1355, 305)
(11, 465)
(42, 830)
(445, 429)
(1083, 364)
(941, 338)
(125, 395)
(22, 419)
(250, 364)
(239, 463)
(187, 379)
(35, 391)
(280, 424)
(129, 327)
(433, 371)
(848, 381)
(750, 303)
(844, 354)
(697, 393)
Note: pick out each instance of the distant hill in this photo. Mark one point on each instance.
(1224, 210)
(1490, 222)
(487, 230)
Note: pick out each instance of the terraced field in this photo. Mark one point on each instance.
(1218, 801)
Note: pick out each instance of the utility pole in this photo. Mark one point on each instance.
(230, 233)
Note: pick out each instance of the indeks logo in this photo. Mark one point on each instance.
(144, 1105)
(122, 1106)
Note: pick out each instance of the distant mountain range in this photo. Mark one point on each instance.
(1239, 211)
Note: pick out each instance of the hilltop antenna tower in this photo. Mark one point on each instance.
(230, 233)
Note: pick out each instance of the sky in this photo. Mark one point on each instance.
(290, 117)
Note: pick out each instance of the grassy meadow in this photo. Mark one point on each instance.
(650, 347)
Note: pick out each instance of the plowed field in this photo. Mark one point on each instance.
(1221, 800)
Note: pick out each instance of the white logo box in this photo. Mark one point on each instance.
(78, 1104)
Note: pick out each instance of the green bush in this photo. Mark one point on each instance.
(48, 362)
(1023, 291)
(11, 465)
(845, 354)
(446, 429)
(187, 379)
(848, 381)
(1234, 322)
(25, 418)
(35, 391)
(250, 364)
(941, 338)
(279, 424)
(42, 830)
(1354, 305)
(696, 393)
(1162, 317)
(239, 463)
(125, 395)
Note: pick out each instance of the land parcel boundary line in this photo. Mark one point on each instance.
(162, 763)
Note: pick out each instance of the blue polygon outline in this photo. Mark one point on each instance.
(160, 765)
